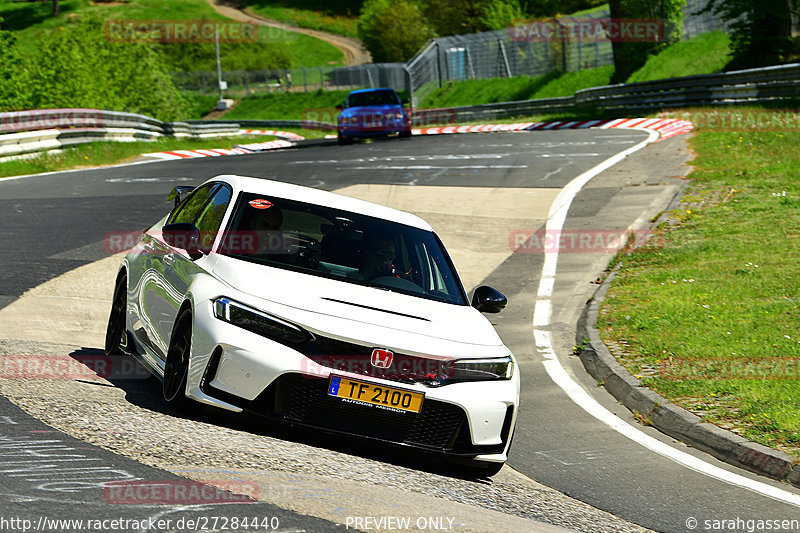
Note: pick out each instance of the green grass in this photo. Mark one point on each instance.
(109, 153)
(551, 85)
(703, 54)
(334, 17)
(275, 48)
(717, 298)
(317, 105)
(30, 19)
(571, 82)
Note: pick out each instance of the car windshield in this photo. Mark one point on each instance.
(371, 98)
(341, 245)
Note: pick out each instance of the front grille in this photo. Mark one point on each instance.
(305, 401)
(354, 358)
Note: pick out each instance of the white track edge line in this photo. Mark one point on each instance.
(542, 315)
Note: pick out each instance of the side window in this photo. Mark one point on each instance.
(191, 207)
(211, 217)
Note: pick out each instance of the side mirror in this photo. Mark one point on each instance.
(488, 300)
(184, 236)
(404, 101)
(340, 107)
(179, 193)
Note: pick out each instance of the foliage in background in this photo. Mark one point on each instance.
(392, 30)
(454, 17)
(631, 56)
(761, 30)
(12, 85)
(275, 48)
(501, 14)
(80, 68)
(551, 8)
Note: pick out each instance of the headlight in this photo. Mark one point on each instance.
(482, 369)
(259, 322)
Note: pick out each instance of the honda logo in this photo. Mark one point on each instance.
(381, 358)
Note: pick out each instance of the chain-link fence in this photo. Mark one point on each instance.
(508, 53)
(497, 54)
(696, 23)
(240, 82)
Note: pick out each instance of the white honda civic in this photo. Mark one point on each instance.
(319, 310)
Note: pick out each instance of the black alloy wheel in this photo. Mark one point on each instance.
(176, 369)
(116, 321)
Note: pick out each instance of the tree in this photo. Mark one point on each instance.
(454, 17)
(392, 30)
(631, 56)
(501, 14)
(760, 30)
(551, 8)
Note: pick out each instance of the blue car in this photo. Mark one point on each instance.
(372, 113)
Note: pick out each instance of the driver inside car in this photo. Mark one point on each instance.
(378, 257)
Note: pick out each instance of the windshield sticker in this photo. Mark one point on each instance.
(260, 203)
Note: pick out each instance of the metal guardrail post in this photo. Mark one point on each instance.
(504, 56)
(410, 87)
(439, 64)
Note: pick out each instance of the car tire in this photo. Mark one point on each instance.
(405, 134)
(115, 331)
(176, 368)
(342, 139)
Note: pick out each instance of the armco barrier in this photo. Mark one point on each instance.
(744, 87)
(28, 132)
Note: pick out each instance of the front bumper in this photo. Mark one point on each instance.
(351, 131)
(241, 371)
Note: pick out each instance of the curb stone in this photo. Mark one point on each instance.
(668, 417)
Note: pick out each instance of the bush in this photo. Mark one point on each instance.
(13, 91)
(392, 30)
(80, 68)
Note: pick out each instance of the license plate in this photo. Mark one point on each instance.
(379, 396)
